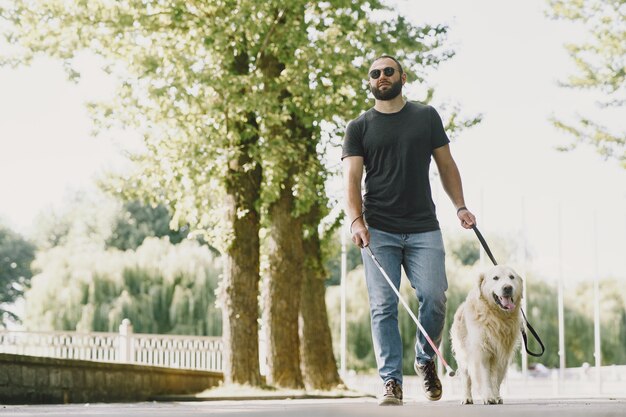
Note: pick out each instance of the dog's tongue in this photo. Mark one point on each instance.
(507, 303)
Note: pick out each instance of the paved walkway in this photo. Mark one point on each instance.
(326, 408)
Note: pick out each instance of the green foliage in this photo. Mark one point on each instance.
(465, 250)
(612, 311)
(199, 80)
(601, 67)
(100, 220)
(160, 287)
(137, 221)
(360, 353)
(541, 312)
(85, 218)
(218, 89)
(52, 229)
(332, 255)
(16, 255)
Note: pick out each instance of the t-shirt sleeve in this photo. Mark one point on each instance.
(438, 135)
(352, 141)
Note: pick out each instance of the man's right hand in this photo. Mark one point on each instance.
(360, 235)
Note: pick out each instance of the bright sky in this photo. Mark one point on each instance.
(509, 58)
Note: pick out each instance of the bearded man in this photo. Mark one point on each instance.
(394, 141)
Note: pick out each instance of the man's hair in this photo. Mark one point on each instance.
(393, 59)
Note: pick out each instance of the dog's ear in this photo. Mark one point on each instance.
(481, 279)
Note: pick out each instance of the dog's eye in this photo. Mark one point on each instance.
(496, 278)
(512, 276)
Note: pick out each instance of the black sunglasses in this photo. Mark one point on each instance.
(388, 71)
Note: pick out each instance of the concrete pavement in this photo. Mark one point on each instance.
(323, 408)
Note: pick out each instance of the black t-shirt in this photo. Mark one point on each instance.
(396, 150)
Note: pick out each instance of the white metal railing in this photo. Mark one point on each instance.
(172, 351)
(65, 345)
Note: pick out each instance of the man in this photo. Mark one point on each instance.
(395, 141)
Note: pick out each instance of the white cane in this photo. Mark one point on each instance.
(404, 303)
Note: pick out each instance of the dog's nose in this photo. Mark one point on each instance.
(507, 290)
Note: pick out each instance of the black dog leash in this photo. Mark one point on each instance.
(532, 331)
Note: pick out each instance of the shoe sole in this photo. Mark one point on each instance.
(390, 401)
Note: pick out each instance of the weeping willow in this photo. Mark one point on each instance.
(162, 288)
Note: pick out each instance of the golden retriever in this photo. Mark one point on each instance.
(485, 333)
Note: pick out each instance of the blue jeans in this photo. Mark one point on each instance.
(422, 256)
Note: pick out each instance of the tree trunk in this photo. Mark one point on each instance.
(240, 286)
(318, 360)
(282, 293)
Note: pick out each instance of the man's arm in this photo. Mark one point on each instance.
(451, 180)
(352, 175)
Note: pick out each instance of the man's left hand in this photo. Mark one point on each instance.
(467, 218)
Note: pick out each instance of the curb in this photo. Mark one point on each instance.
(197, 398)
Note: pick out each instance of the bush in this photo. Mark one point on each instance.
(160, 287)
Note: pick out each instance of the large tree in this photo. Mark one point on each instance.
(315, 67)
(601, 65)
(104, 221)
(185, 84)
(137, 221)
(231, 98)
(16, 256)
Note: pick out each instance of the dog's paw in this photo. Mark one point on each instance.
(467, 401)
(490, 401)
(500, 400)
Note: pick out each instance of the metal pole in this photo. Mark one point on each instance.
(596, 307)
(524, 286)
(560, 301)
(344, 272)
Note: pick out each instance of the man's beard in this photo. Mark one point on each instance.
(390, 93)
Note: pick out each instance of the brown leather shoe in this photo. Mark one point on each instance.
(431, 384)
(392, 393)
